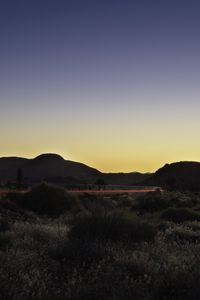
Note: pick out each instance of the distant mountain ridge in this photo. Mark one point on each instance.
(184, 175)
(50, 167)
(54, 168)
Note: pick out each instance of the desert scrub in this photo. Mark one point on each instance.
(158, 201)
(180, 283)
(93, 269)
(114, 227)
(96, 203)
(4, 224)
(82, 254)
(179, 215)
(5, 241)
(183, 233)
(47, 199)
(38, 236)
(150, 202)
(195, 225)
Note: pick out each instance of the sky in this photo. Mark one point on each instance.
(111, 83)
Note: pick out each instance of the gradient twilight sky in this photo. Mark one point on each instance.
(114, 84)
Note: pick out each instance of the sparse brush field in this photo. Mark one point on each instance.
(58, 246)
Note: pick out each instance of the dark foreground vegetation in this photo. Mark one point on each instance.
(56, 245)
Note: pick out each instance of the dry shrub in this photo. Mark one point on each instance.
(47, 199)
(114, 227)
(179, 215)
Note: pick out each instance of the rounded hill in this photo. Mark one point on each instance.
(48, 157)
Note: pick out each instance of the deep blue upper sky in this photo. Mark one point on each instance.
(105, 68)
(57, 38)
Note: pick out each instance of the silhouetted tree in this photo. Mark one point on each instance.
(100, 182)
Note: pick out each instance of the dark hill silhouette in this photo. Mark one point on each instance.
(54, 168)
(125, 178)
(183, 175)
(47, 158)
(9, 167)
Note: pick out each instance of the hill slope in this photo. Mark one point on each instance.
(53, 168)
(180, 175)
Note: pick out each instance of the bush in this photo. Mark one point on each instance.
(5, 241)
(151, 202)
(4, 225)
(114, 227)
(180, 215)
(49, 200)
(178, 284)
(83, 253)
(183, 235)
